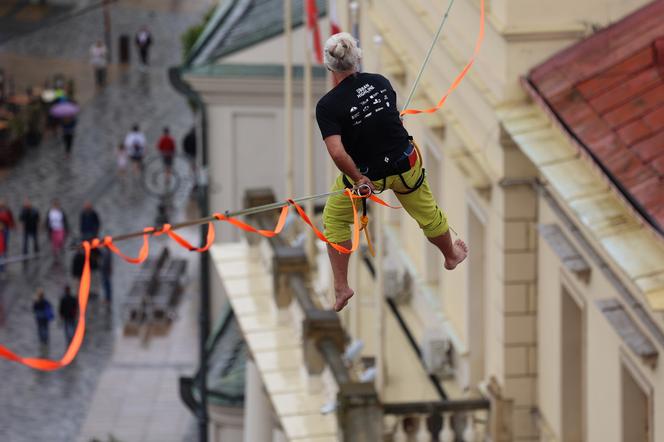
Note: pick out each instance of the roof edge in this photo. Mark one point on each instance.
(218, 17)
(650, 10)
(241, 70)
(623, 194)
(271, 32)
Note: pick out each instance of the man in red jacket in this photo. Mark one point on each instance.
(166, 146)
(2, 247)
(7, 222)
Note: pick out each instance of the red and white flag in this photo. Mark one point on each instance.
(334, 19)
(314, 31)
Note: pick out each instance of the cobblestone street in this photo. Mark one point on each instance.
(52, 406)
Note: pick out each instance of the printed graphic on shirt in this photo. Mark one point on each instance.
(362, 91)
(376, 102)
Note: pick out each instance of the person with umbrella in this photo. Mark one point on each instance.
(66, 112)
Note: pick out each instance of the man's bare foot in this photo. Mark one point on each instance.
(342, 296)
(460, 253)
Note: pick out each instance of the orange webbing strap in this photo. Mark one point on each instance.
(84, 287)
(375, 199)
(77, 340)
(142, 254)
(168, 230)
(462, 74)
(365, 225)
(319, 234)
(246, 227)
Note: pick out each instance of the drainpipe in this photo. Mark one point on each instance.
(175, 77)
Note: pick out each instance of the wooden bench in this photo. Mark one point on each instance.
(150, 304)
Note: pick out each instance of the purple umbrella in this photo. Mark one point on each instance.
(65, 109)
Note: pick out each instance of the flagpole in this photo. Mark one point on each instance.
(308, 137)
(288, 95)
(381, 366)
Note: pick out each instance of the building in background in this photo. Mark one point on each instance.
(552, 171)
(547, 159)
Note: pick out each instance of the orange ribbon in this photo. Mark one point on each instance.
(77, 340)
(246, 227)
(142, 254)
(167, 229)
(319, 234)
(462, 74)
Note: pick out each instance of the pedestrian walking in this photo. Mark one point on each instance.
(99, 62)
(106, 268)
(29, 217)
(166, 147)
(57, 227)
(68, 127)
(189, 147)
(89, 222)
(121, 159)
(7, 221)
(68, 310)
(143, 42)
(43, 312)
(135, 144)
(78, 264)
(3, 249)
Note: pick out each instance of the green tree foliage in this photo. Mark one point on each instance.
(191, 35)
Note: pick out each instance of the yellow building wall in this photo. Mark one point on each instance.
(605, 351)
(523, 283)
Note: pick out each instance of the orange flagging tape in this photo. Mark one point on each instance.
(462, 74)
(84, 286)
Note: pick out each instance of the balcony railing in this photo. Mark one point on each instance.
(445, 421)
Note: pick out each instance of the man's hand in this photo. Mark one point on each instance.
(364, 181)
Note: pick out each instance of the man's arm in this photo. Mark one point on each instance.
(344, 162)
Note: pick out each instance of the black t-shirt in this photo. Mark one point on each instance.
(363, 110)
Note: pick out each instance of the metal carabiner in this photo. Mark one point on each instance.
(358, 190)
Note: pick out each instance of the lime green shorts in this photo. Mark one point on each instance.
(420, 205)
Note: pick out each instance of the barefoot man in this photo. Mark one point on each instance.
(360, 124)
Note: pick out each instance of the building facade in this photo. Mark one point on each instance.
(558, 308)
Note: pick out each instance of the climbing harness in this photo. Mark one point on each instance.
(412, 158)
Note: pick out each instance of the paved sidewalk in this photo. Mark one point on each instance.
(53, 406)
(137, 397)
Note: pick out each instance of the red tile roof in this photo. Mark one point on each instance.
(608, 90)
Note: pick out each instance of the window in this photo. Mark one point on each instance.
(476, 299)
(573, 362)
(636, 405)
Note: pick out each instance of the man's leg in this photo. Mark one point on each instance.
(339, 263)
(422, 207)
(337, 218)
(454, 253)
(108, 294)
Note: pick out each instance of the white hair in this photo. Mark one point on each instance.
(342, 53)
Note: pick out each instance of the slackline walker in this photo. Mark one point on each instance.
(361, 191)
(365, 136)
